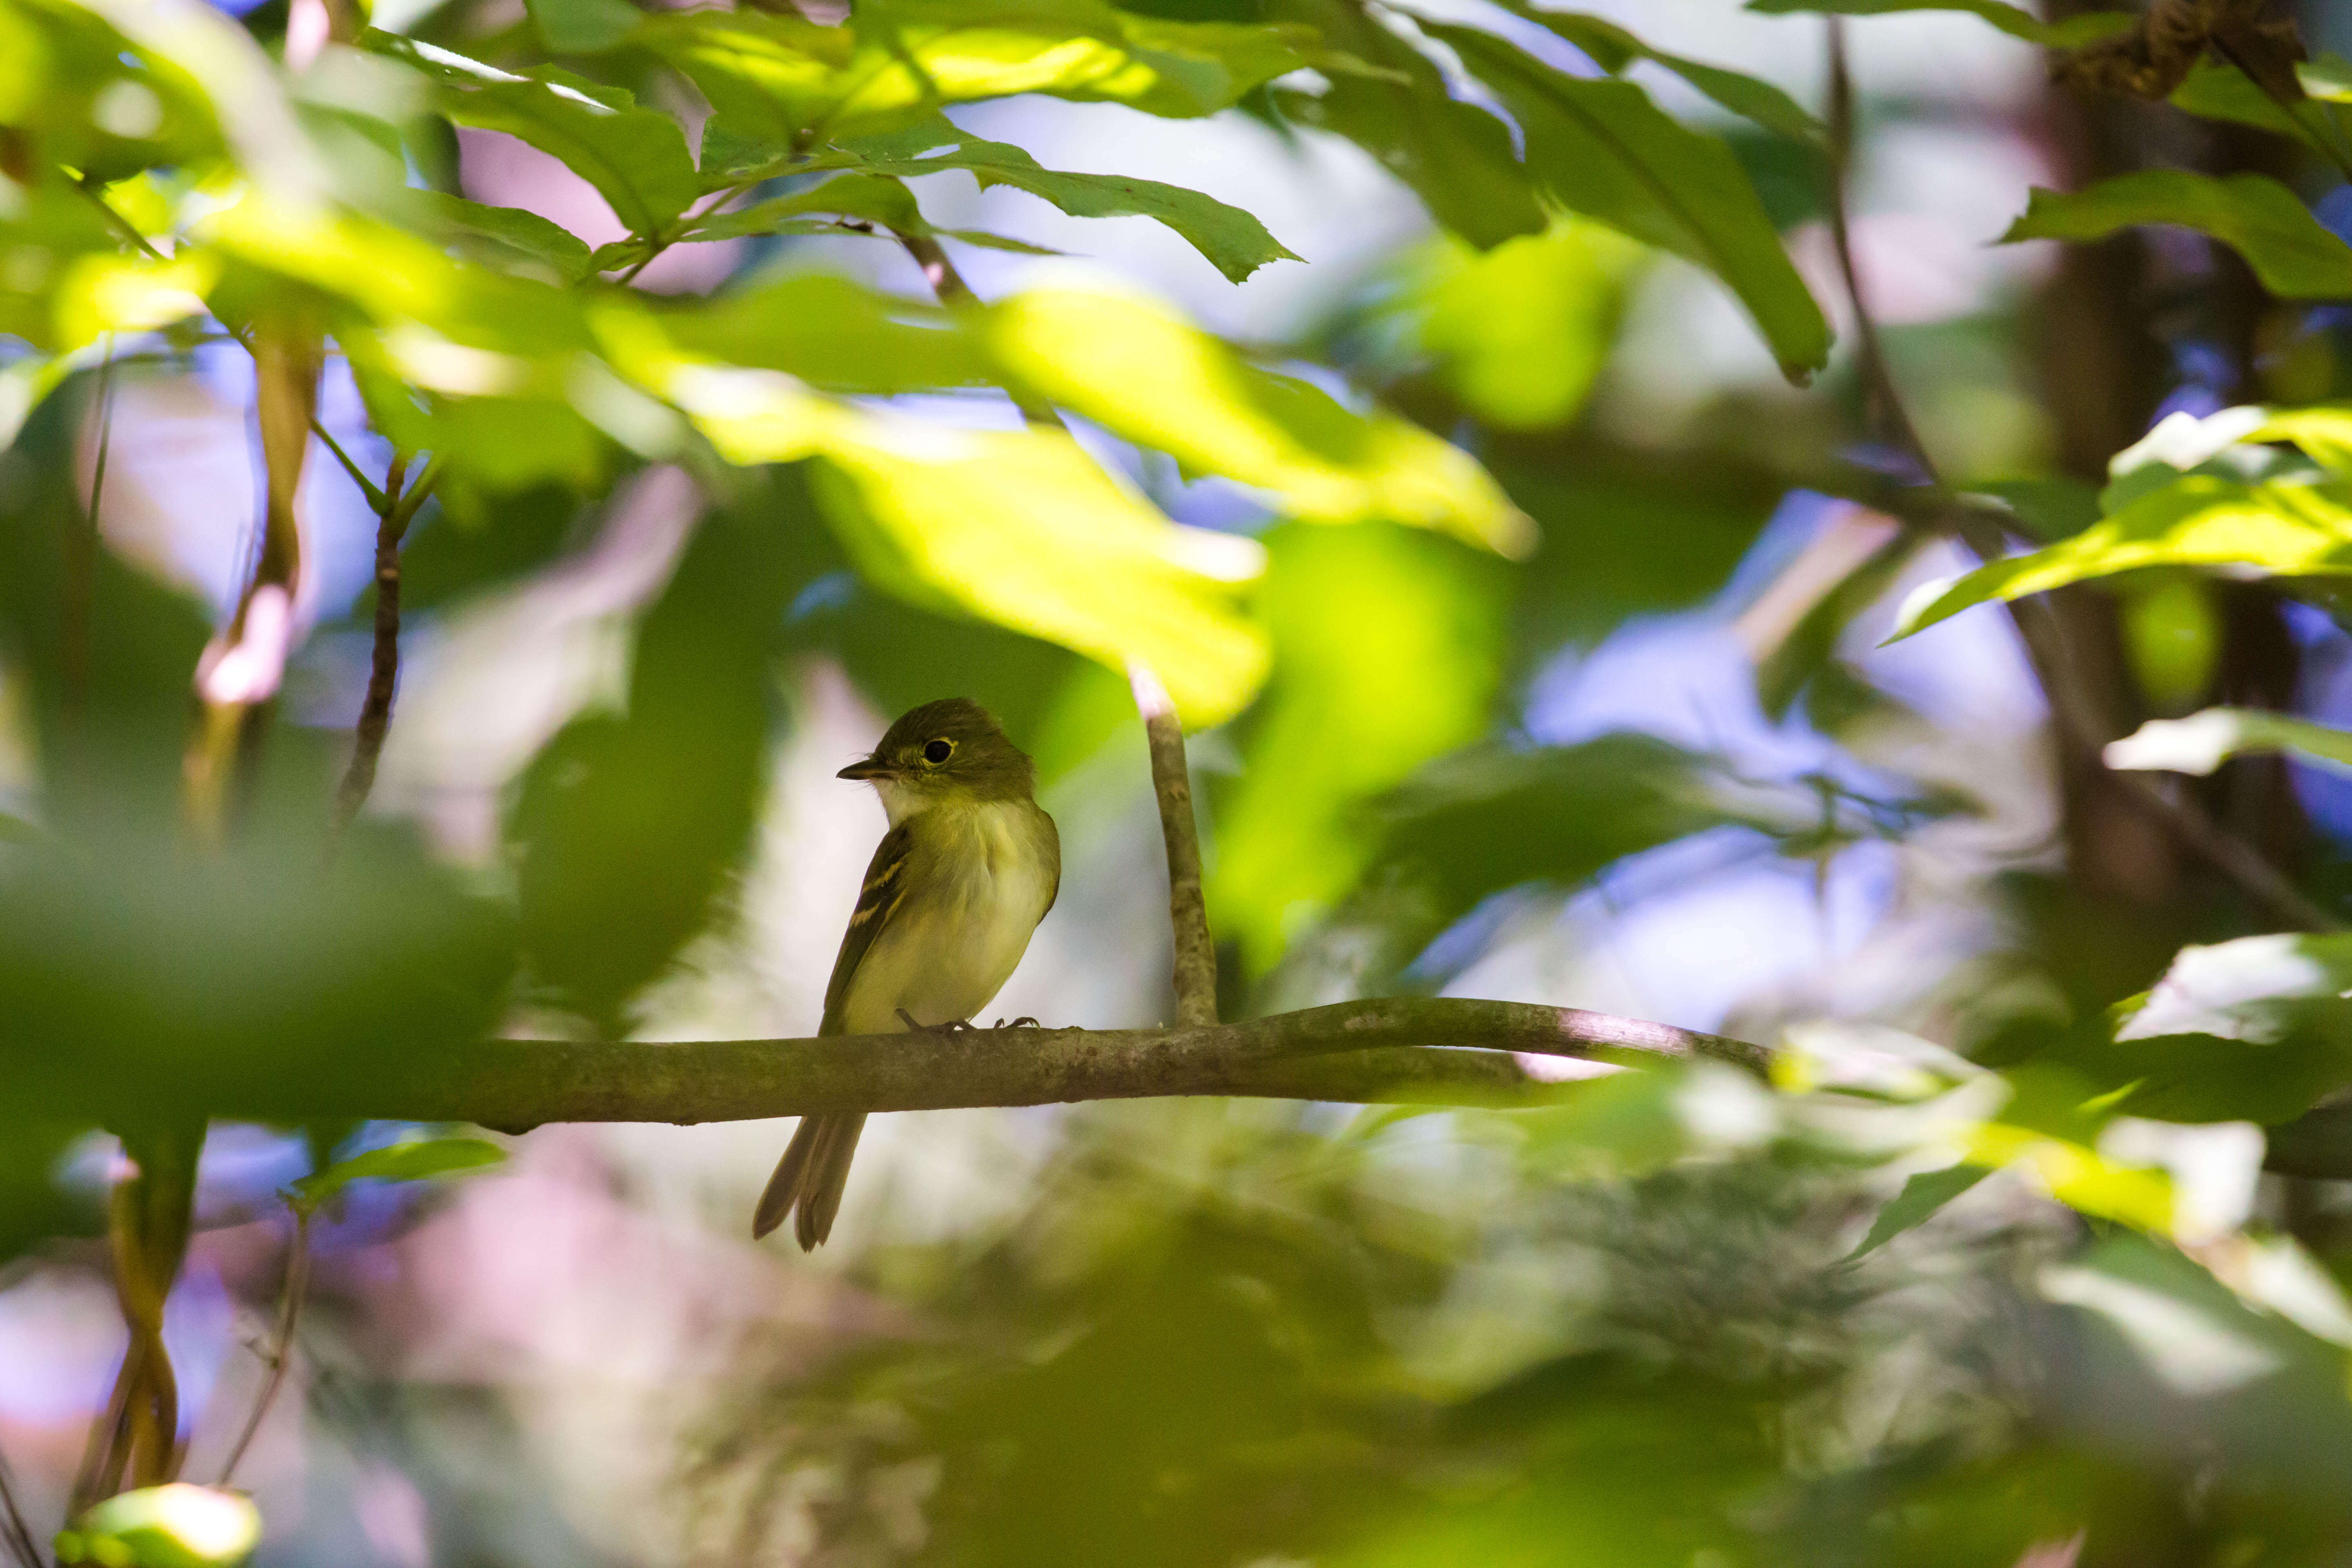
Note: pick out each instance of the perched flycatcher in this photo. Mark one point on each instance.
(969, 868)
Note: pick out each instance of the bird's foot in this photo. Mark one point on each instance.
(1022, 1022)
(952, 1027)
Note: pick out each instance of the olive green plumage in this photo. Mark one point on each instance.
(969, 868)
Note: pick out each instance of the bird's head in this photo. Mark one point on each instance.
(948, 751)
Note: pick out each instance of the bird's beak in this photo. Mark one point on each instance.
(865, 768)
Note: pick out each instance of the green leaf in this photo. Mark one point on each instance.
(1603, 149)
(1146, 375)
(1389, 651)
(583, 27)
(2071, 34)
(2257, 988)
(419, 1160)
(826, 332)
(2203, 741)
(2293, 254)
(2197, 521)
(791, 82)
(2214, 89)
(1520, 333)
(499, 233)
(1613, 49)
(1022, 528)
(636, 158)
(174, 1526)
(1920, 1198)
(1235, 242)
(1456, 157)
(631, 824)
(873, 199)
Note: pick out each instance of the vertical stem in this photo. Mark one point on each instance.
(384, 671)
(1188, 912)
(281, 1346)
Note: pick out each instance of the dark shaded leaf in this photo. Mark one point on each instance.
(1918, 1201)
(631, 824)
(2018, 23)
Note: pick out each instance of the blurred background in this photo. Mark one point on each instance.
(1668, 765)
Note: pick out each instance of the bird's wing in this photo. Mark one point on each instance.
(884, 892)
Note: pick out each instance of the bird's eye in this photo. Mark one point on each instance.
(938, 751)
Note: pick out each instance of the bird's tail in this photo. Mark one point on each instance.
(811, 1176)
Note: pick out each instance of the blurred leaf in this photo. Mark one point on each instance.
(636, 158)
(1235, 242)
(139, 982)
(1147, 377)
(2172, 639)
(631, 824)
(2215, 90)
(175, 1526)
(1603, 149)
(1493, 818)
(420, 1160)
(825, 332)
(2203, 741)
(2046, 509)
(1388, 650)
(2294, 256)
(1925, 1193)
(583, 27)
(502, 232)
(1022, 528)
(1613, 49)
(2258, 988)
(2071, 34)
(1456, 157)
(2197, 520)
(1520, 333)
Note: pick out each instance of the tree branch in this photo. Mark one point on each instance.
(1369, 1051)
(1188, 912)
(384, 668)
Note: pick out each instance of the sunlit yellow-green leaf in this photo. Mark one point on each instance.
(131, 294)
(1141, 372)
(1388, 647)
(1520, 333)
(175, 1526)
(2078, 1176)
(1022, 528)
(2197, 521)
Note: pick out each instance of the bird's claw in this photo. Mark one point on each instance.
(1022, 1022)
(952, 1027)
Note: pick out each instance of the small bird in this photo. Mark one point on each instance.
(971, 865)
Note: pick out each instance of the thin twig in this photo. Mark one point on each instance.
(1188, 914)
(18, 1534)
(281, 1340)
(383, 669)
(2078, 727)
